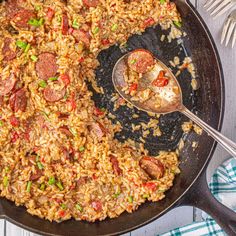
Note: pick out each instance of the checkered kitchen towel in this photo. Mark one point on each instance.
(223, 186)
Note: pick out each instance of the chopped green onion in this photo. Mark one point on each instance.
(79, 207)
(162, 1)
(40, 165)
(114, 27)
(34, 58)
(178, 23)
(5, 181)
(37, 158)
(130, 199)
(21, 44)
(53, 78)
(42, 186)
(38, 8)
(27, 48)
(75, 24)
(1, 123)
(146, 195)
(59, 18)
(103, 109)
(7, 169)
(35, 22)
(133, 61)
(73, 131)
(116, 195)
(51, 181)
(43, 84)
(60, 186)
(28, 186)
(81, 149)
(63, 206)
(95, 30)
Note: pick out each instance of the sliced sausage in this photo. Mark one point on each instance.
(37, 175)
(65, 130)
(91, 3)
(63, 116)
(153, 167)
(7, 85)
(139, 60)
(12, 7)
(22, 17)
(98, 129)
(7, 52)
(46, 65)
(52, 94)
(18, 100)
(115, 165)
(82, 36)
(64, 24)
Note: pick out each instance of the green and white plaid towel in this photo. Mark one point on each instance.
(223, 186)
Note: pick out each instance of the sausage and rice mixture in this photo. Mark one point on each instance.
(58, 155)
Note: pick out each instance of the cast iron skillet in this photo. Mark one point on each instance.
(190, 187)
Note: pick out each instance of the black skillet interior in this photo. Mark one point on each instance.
(207, 102)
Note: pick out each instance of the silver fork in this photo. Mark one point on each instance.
(219, 7)
(229, 29)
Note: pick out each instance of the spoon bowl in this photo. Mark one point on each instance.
(171, 97)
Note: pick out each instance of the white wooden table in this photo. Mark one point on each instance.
(188, 214)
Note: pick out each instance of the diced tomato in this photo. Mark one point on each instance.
(161, 74)
(81, 59)
(14, 121)
(98, 112)
(61, 213)
(97, 205)
(71, 30)
(150, 185)
(148, 22)
(57, 200)
(94, 176)
(133, 87)
(43, 159)
(14, 137)
(160, 82)
(105, 42)
(50, 13)
(27, 135)
(65, 78)
(72, 102)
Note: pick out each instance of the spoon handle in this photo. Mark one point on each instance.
(226, 143)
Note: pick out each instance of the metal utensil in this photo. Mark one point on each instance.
(171, 101)
(219, 7)
(229, 29)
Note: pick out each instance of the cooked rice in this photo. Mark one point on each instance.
(76, 177)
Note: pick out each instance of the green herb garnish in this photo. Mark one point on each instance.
(43, 84)
(63, 206)
(40, 165)
(178, 23)
(75, 24)
(51, 180)
(36, 22)
(28, 187)
(34, 58)
(79, 207)
(5, 181)
(53, 78)
(81, 149)
(130, 199)
(60, 186)
(114, 27)
(95, 30)
(21, 44)
(162, 1)
(42, 186)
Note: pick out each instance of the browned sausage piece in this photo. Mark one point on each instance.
(139, 60)
(54, 94)
(7, 85)
(36, 176)
(91, 3)
(98, 129)
(115, 165)
(83, 36)
(153, 167)
(18, 100)
(65, 130)
(46, 65)
(7, 52)
(22, 17)
(64, 24)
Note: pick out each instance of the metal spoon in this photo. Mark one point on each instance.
(171, 98)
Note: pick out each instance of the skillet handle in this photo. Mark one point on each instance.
(200, 196)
